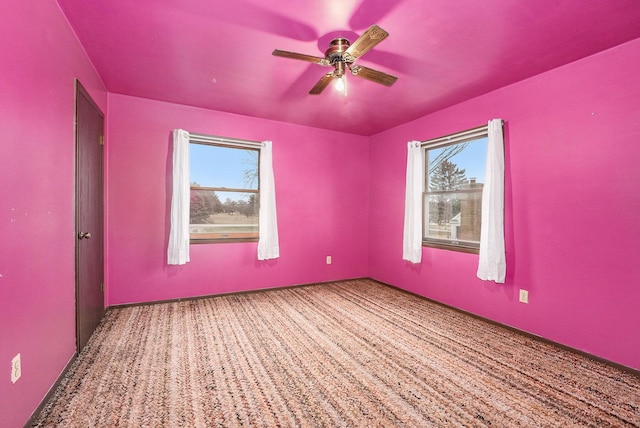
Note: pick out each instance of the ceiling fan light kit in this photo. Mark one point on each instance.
(340, 84)
(341, 55)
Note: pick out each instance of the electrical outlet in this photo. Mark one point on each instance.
(328, 260)
(524, 296)
(16, 369)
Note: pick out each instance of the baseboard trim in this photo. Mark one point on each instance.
(523, 332)
(45, 400)
(230, 293)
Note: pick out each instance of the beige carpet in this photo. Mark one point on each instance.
(347, 354)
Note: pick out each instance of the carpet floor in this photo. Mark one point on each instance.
(346, 354)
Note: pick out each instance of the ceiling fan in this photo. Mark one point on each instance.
(341, 55)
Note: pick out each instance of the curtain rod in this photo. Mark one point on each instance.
(203, 138)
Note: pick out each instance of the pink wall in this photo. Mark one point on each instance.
(572, 203)
(321, 191)
(39, 62)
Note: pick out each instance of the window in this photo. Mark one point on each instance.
(454, 177)
(225, 194)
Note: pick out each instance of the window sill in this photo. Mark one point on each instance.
(221, 240)
(451, 247)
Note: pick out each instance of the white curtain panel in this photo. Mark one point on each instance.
(178, 249)
(492, 262)
(268, 246)
(412, 239)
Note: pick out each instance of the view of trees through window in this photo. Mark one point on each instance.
(453, 193)
(224, 192)
(205, 203)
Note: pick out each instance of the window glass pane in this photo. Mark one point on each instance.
(223, 215)
(230, 167)
(453, 192)
(468, 157)
(455, 216)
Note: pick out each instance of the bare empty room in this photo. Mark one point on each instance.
(320, 213)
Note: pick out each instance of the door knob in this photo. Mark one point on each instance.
(84, 235)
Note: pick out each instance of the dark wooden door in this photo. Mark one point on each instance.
(89, 216)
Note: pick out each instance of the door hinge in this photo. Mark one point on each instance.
(102, 287)
(102, 140)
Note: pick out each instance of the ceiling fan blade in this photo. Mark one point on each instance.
(322, 84)
(371, 37)
(301, 57)
(374, 75)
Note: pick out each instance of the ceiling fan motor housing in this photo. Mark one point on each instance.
(337, 52)
(338, 57)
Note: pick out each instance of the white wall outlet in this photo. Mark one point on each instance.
(16, 369)
(328, 260)
(524, 296)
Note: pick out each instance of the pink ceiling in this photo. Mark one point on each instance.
(216, 54)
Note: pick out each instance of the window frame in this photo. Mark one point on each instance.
(231, 143)
(444, 141)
